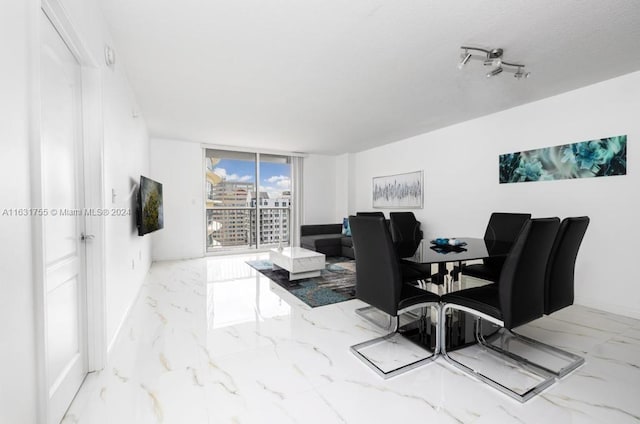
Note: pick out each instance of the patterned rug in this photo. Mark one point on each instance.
(336, 283)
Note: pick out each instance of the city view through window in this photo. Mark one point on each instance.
(248, 199)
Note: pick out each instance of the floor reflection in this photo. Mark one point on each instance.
(213, 341)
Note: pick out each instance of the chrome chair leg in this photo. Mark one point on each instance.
(356, 349)
(547, 379)
(573, 361)
(364, 313)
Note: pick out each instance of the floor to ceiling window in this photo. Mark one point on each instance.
(248, 200)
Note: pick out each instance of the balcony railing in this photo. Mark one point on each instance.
(237, 227)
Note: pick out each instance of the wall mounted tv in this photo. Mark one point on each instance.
(150, 217)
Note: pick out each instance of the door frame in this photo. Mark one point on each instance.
(93, 170)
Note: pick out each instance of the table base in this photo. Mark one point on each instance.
(460, 330)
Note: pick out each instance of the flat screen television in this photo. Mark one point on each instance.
(149, 209)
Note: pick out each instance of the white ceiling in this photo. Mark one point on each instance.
(334, 76)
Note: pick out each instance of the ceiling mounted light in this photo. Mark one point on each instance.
(493, 57)
(521, 74)
(494, 72)
(465, 58)
(493, 62)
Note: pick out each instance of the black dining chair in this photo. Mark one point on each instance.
(559, 289)
(376, 213)
(379, 283)
(405, 233)
(560, 278)
(410, 271)
(407, 236)
(502, 226)
(517, 298)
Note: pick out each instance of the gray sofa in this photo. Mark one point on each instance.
(327, 239)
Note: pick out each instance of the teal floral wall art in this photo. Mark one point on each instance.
(595, 158)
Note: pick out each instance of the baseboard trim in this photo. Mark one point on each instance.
(126, 316)
(608, 307)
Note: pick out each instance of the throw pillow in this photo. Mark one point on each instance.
(346, 229)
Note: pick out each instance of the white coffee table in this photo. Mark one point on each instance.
(301, 263)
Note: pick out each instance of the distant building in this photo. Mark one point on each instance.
(274, 219)
(231, 213)
(227, 227)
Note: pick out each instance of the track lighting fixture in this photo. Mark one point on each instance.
(465, 58)
(521, 74)
(494, 72)
(493, 62)
(493, 58)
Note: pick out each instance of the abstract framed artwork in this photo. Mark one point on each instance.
(604, 157)
(398, 191)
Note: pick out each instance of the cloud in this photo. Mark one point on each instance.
(232, 177)
(282, 181)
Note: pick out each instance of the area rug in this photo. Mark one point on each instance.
(336, 283)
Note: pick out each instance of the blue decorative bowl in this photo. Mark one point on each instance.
(448, 242)
(440, 242)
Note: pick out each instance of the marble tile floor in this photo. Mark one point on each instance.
(213, 341)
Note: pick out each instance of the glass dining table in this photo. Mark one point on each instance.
(471, 249)
(460, 326)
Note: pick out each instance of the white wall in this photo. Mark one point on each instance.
(342, 184)
(17, 355)
(319, 190)
(461, 181)
(126, 157)
(178, 166)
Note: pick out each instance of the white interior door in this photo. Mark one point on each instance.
(64, 252)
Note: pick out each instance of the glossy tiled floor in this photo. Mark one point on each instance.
(213, 341)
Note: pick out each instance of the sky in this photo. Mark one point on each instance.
(274, 177)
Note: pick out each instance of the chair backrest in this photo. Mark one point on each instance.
(405, 232)
(559, 280)
(503, 226)
(521, 283)
(378, 278)
(377, 213)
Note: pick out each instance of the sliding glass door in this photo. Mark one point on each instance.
(248, 200)
(274, 202)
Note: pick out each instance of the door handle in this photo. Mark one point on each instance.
(86, 237)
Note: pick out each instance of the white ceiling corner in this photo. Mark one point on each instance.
(332, 76)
